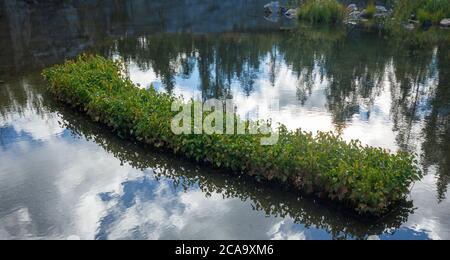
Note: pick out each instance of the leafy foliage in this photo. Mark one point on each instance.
(367, 179)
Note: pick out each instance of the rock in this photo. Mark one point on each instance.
(1, 82)
(380, 15)
(291, 13)
(352, 22)
(381, 9)
(357, 16)
(445, 22)
(373, 237)
(409, 26)
(352, 8)
(364, 14)
(272, 7)
(272, 17)
(354, 14)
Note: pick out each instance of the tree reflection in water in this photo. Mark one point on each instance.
(354, 67)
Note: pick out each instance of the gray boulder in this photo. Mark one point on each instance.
(352, 8)
(354, 15)
(291, 13)
(272, 7)
(445, 22)
(381, 9)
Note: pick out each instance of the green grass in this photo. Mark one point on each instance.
(425, 10)
(369, 180)
(322, 11)
(433, 10)
(332, 12)
(370, 10)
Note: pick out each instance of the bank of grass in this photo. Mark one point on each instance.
(370, 10)
(367, 179)
(423, 10)
(333, 12)
(322, 11)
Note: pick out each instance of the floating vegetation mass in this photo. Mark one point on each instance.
(367, 179)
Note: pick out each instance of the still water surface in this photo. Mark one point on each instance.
(64, 177)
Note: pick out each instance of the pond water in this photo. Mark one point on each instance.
(64, 177)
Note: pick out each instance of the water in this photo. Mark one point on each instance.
(64, 177)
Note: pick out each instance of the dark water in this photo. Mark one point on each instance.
(64, 177)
